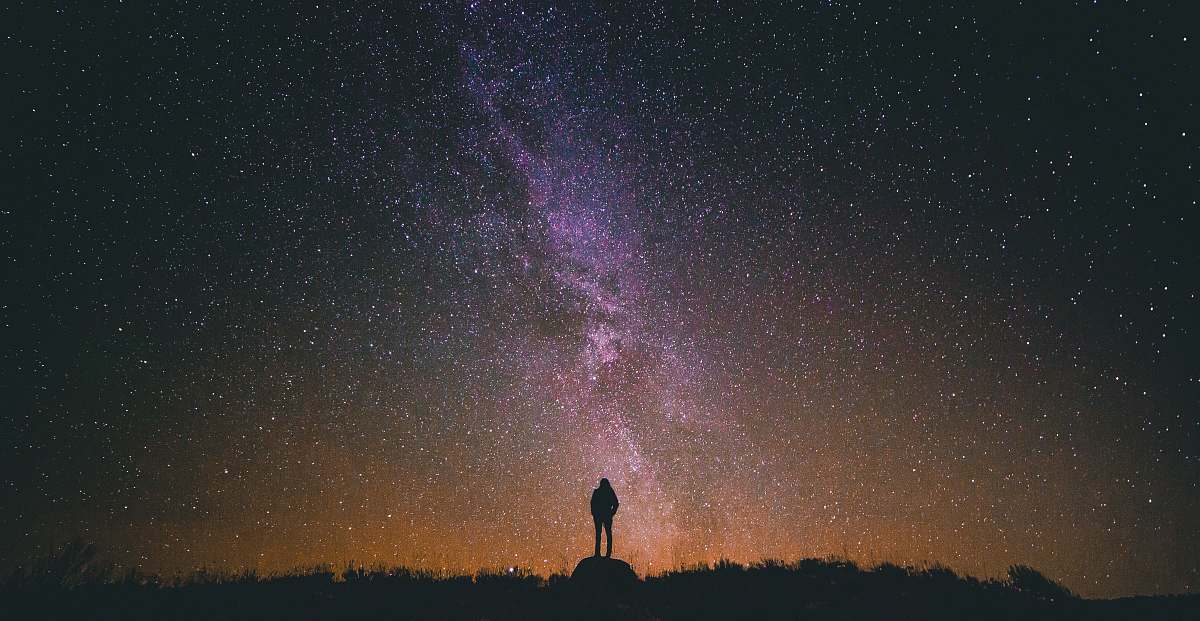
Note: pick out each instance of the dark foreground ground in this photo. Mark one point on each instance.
(807, 589)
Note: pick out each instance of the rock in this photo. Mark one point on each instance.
(604, 576)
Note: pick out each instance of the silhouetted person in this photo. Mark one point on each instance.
(604, 507)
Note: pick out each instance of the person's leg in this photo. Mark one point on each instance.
(597, 521)
(608, 533)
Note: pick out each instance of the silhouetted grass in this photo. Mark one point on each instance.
(73, 584)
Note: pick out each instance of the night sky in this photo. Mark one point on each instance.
(392, 283)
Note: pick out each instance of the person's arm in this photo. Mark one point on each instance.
(615, 503)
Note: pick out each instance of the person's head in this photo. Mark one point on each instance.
(604, 483)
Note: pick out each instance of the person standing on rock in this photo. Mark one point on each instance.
(604, 507)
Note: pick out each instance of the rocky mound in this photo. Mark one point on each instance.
(604, 576)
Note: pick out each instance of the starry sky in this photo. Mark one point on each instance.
(398, 283)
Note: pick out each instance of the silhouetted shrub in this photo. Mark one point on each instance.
(938, 571)
(891, 571)
(1029, 580)
(726, 565)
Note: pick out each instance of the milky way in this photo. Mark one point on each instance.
(400, 287)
